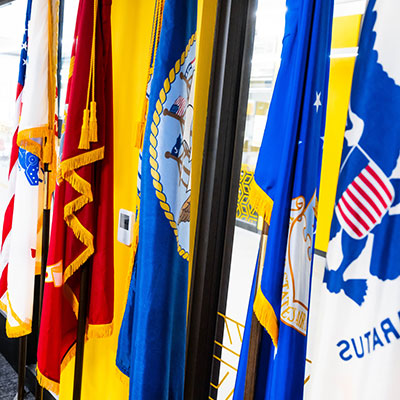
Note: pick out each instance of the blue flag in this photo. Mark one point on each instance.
(355, 351)
(152, 339)
(284, 191)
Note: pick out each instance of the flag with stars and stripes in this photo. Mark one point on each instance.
(33, 144)
(179, 106)
(284, 192)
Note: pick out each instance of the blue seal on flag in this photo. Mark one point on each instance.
(171, 145)
(30, 164)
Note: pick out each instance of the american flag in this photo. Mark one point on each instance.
(179, 107)
(8, 215)
(365, 201)
(22, 220)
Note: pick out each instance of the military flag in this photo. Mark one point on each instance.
(82, 227)
(33, 145)
(152, 339)
(284, 191)
(354, 341)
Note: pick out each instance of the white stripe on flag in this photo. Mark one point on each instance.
(352, 191)
(366, 217)
(387, 197)
(347, 214)
(371, 197)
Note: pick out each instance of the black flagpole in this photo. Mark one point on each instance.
(45, 251)
(46, 205)
(23, 343)
(256, 328)
(80, 340)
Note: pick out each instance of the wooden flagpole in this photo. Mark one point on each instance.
(256, 328)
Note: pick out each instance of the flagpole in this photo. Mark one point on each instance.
(256, 328)
(23, 343)
(46, 200)
(45, 251)
(80, 339)
(45, 236)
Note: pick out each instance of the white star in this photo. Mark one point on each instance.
(24, 45)
(317, 103)
(24, 62)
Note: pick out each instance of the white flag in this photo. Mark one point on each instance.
(354, 328)
(22, 220)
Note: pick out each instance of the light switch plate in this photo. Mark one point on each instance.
(125, 225)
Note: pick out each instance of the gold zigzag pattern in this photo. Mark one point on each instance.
(67, 171)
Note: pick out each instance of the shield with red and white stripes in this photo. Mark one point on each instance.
(365, 201)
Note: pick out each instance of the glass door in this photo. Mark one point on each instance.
(270, 21)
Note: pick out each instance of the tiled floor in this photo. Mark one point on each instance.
(8, 381)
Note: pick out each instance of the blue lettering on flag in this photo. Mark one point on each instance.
(368, 342)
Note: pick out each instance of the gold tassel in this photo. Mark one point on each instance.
(93, 122)
(84, 141)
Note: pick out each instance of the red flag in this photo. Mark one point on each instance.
(82, 227)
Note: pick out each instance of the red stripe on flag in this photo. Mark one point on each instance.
(361, 206)
(373, 189)
(367, 198)
(3, 281)
(7, 225)
(14, 152)
(379, 180)
(348, 222)
(355, 214)
(19, 90)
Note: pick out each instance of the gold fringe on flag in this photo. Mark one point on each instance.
(47, 383)
(23, 328)
(266, 316)
(260, 201)
(67, 172)
(99, 331)
(263, 309)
